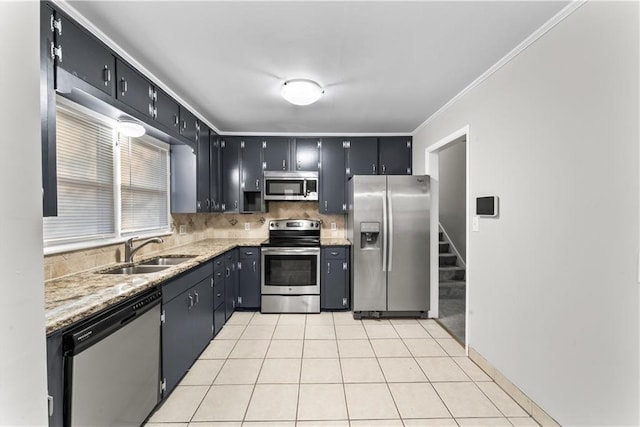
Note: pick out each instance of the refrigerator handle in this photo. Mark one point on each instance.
(385, 234)
(390, 233)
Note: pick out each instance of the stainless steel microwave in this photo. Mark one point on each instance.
(290, 185)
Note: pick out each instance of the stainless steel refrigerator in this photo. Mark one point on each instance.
(389, 225)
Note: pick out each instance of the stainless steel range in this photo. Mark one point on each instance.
(291, 267)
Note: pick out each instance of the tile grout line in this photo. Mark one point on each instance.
(304, 332)
(344, 388)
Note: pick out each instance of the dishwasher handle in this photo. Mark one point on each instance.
(101, 326)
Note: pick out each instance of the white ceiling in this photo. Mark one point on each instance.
(385, 66)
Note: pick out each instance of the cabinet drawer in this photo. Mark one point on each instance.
(218, 296)
(175, 287)
(219, 265)
(335, 253)
(249, 253)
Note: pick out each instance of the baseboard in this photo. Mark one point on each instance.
(532, 408)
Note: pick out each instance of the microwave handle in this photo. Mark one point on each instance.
(305, 193)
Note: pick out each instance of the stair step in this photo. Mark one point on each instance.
(444, 247)
(452, 290)
(451, 273)
(441, 236)
(448, 259)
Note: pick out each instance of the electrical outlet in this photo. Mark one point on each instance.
(182, 229)
(333, 226)
(247, 226)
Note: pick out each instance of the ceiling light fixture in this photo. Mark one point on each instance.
(301, 91)
(130, 128)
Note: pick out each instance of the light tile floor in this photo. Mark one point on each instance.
(330, 370)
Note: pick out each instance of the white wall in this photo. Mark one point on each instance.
(22, 327)
(554, 293)
(452, 180)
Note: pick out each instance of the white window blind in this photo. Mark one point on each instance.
(85, 162)
(144, 189)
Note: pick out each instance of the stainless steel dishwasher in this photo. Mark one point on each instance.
(112, 365)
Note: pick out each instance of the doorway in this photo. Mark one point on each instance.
(447, 164)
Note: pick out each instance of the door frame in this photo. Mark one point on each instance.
(432, 169)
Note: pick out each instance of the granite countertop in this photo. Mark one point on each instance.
(72, 298)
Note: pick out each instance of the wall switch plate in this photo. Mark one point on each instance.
(475, 223)
(247, 226)
(333, 226)
(182, 229)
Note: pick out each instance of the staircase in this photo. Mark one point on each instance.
(452, 273)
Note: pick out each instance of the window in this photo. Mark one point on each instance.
(109, 186)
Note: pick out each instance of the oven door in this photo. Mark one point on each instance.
(290, 271)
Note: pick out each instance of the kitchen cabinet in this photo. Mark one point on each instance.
(251, 174)
(249, 276)
(306, 154)
(55, 379)
(167, 112)
(48, 113)
(231, 282)
(277, 154)
(134, 90)
(334, 278)
(188, 126)
(394, 155)
(203, 184)
(184, 180)
(81, 56)
(332, 176)
(187, 322)
(230, 173)
(214, 173)
(362, 156)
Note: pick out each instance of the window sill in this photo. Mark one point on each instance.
(79, 246)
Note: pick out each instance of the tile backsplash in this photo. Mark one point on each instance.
(196, 227)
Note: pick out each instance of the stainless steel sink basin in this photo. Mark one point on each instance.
(168, 260)
(136, 269)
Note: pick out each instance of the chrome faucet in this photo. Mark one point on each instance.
(129, 250)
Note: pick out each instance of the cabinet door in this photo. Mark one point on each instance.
(332, 177)
(202, 315)
(134, 90)
(84, 57)
(232, 279)
(55, 378)
(306, 155)
(251, 151)
(167, 112)
(276, 154)
(230, 165)
(177, 340)
(188, 125)
(362, 156)
(203, 203)
(395, 155)
(249, 286)
(184, 181)
(214, 173)
(334, 278)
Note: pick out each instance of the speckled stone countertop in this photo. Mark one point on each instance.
(72, 298)
(334, 241)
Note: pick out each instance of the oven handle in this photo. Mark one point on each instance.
(291, 251)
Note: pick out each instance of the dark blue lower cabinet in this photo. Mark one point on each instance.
(231, 282)
(177, 353)
(249, 278)
(334, 278)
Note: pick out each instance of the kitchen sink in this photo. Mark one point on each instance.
(167, 260)
(136, 269)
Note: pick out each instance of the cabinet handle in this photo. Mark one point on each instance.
(190, 301)
(235, 204)
(373, 168)
(208, 203)
(334, 253)
(384, 169)
(284, 164)
(184, 124)
(257, 184)
(176, 121)
(106, 74)
(150, 109)
(197, 297)
(228, 272)
(248, 253)
(151, 93)
(254, 266)
(124, 86)
(326, 205)
(328, 268)
(219, 294)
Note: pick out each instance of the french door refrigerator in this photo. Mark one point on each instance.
(388, 226)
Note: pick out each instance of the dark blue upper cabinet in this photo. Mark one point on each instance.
(306, 154)
(134, 89)
(167, 112)
(251, 149)
(394, 155)
(203, 203)
(277, 156)
(188, 126)
(332, 176)
(230, 173)
(82, 56)
(362, 156)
